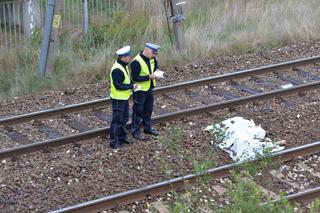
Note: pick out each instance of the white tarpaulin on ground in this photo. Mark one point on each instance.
(241, 138)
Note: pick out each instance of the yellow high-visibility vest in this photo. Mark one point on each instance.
(114, 92)
(145, 85)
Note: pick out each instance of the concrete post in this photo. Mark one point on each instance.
(31, 16)
(177, 19)
(85, 17)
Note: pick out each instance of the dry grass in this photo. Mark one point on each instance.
(240, 26)
(212, 27)
(231, 27)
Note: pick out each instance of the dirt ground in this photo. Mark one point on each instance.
(79, 172)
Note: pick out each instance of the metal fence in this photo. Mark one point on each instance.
(14, 24)
(20, 18)
(72, 13)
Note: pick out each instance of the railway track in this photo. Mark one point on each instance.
(173, 102)
(147, 192)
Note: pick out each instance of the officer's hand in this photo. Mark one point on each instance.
(135, 86)
(152, 77)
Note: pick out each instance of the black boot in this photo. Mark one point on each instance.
(138, 137)
(115, 145)
(152, 132)
(126, 141)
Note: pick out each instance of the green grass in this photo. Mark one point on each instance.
(212, 28)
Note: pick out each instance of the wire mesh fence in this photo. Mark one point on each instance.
(12, 25)
(19, 19)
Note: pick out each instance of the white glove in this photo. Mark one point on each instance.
(138, 87)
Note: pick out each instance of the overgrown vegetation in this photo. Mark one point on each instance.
(246, 196)
(211, 28)
(243, 194)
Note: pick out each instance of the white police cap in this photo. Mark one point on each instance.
(153, 47)
(124, 51)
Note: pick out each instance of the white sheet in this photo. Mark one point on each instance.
(243, 139)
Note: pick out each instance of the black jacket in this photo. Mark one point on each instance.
(118, 77)
(136, 69)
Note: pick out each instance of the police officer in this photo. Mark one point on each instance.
(142, 72)
(120, 91)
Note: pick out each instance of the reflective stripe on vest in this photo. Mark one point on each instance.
(119, 94)
(145, 85)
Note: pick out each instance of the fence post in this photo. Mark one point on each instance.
(177, 19)
(51, 37)
(54, 41)
(85, 17)
(46, 38)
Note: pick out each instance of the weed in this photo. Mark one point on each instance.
(36, 38)
(247, 197)
(191, 200)
(315, 206)
(172, 140)
(219, 132)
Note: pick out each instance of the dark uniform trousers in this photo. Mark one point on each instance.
(120, 117)
(142, 111)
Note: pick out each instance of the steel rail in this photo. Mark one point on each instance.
(102, 103)
(304, 196)
(307, 195)
(158, 119)
(123, 198)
